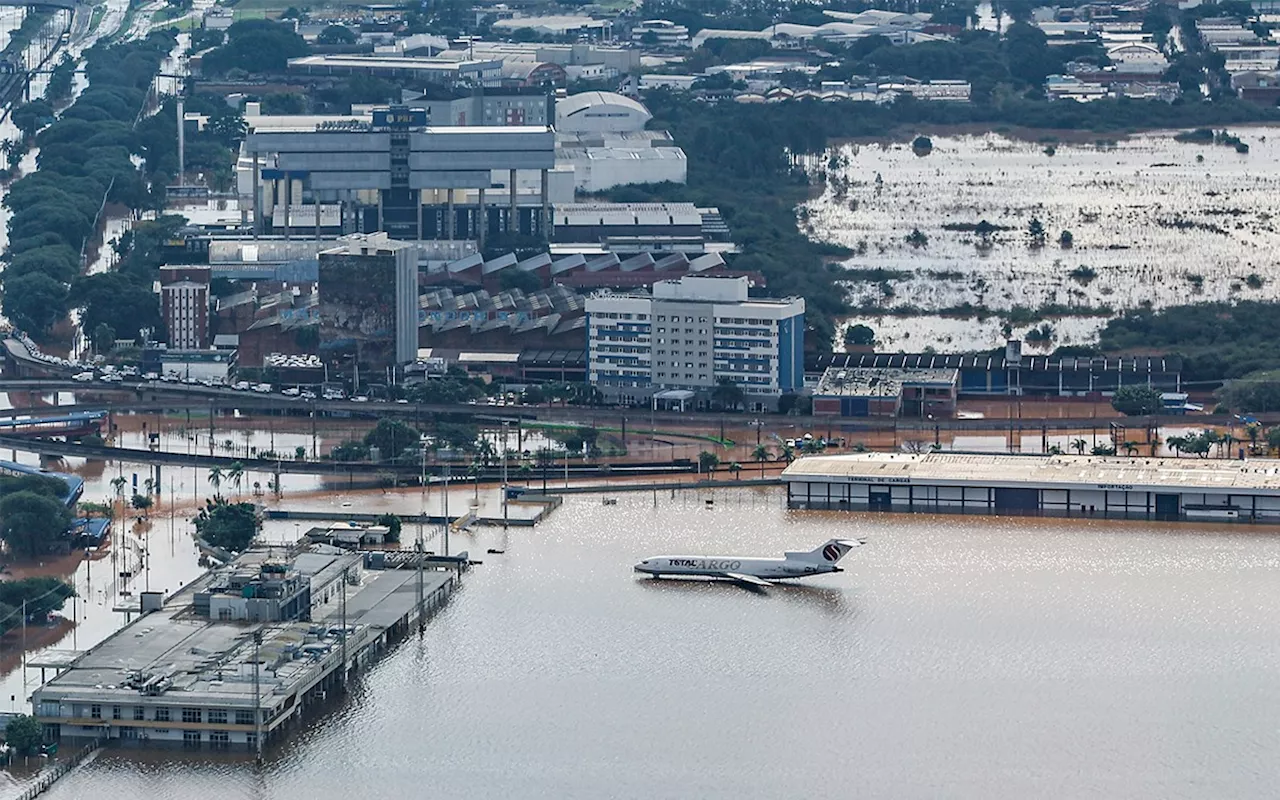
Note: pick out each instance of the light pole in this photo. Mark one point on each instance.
(504, 474)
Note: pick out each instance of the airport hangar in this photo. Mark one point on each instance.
(1169, 489)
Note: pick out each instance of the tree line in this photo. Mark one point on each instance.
(85, 159)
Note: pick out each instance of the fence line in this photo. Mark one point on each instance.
(48, 777)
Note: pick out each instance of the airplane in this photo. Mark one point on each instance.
(756, 572)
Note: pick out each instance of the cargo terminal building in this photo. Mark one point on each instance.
(1167, 489)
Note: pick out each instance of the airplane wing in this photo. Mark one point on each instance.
(751, 579)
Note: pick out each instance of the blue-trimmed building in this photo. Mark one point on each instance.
(692, 334)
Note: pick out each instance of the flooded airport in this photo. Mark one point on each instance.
(977, 656)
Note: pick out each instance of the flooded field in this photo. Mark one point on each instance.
(1151, 221)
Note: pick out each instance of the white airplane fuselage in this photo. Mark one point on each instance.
(718, 566)
(759, 571)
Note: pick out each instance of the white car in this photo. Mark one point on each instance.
(292, 391)
(360, 399)
(82, 377)
(308, 395)
(263, 388)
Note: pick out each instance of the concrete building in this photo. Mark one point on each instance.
(660, 32)
(1171, 489)
(690, 335)
(408, 69)
(559, 26)
(488, 108)
(603, 160)
(600, 112)
(179, 676)
(184, 301)
(389, 170)
(368, 307)
(886, 393)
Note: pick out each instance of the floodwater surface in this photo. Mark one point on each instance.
(960, 657)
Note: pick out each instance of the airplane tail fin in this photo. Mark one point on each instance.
(830, 551)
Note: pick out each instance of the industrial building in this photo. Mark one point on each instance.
(602, 160)
(691, 334)
(1057, 485)
(389, 170)
(600, 112)
(240, 654)
(1012, 373)
(886, 392)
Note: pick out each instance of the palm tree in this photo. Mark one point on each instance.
(236, 475)
(150, 485)
(736, 469)
(473, 472)
(1176, 443)
(524, 471)
(1130, 448)
(788, 454)
(1054, 450)
(1079, 445)
(215, 479)
(761, 454)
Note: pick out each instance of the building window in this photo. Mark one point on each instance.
(162, 715)
(219, 740)
(191, 715)
(191, 739)
(251, 739)
(244, 717)
(139, 713)
(95, 711)
(217, 717)
(115, 712)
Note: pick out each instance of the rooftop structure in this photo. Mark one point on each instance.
(557, 25)
(1110, 486)
(600, 112)
(177, 676)
(886, 392)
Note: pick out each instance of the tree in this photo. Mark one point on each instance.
(859, 336)
(545, 458)
(1273, 438)
(1079, 445)
(456, 436)
(140, 502)
(336, 34)
(736, 469)
(351, 450)
(394, 526)
(1130, 447)
(1036, 230)
(24, 734)
(707, 461)
(391, 437)
(34, 302)
(727, 394)
(761, 454)
(236, 475)
(1255, 392)
(1137, 401)
(300, 453)
(215, 479)
(1066, 241)
(30, 522)
(917, 239)
(104, 338)
(1177, 444)
(228, 526)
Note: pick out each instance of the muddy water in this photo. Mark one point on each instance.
(957, 656)
(1155, 220)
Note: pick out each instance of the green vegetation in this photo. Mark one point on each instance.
(859, 336)
(61, 80)
(1136, 401)
(32, 514)
(228, 526)
(394, 526)
(255, 46)
(24, 734)
(391, 437)
(1257, 392)
(85, 156)
(42, 596)
(1216, 341)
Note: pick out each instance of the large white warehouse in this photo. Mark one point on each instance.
(600, 112)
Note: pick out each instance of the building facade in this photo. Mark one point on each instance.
(692, 334)
(184, 300)
(389, 170)
(368, 308)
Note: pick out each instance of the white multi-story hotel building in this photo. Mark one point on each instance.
(690, 335)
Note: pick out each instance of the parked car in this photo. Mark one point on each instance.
(82, 376)
(292, 391)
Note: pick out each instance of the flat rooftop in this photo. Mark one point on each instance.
(842, 382)
(210, 663)
(1256, 476)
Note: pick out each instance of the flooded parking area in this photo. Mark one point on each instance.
(1152, 220)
